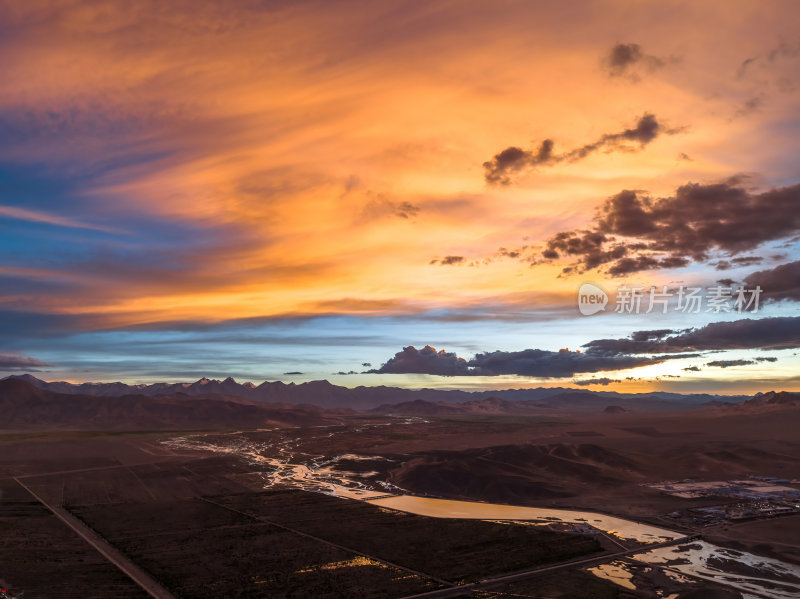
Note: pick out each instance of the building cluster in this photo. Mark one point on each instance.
(758, 497)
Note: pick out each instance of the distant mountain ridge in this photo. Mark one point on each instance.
(560, 403)
(326, 395)
(24, 406)
(773, 399)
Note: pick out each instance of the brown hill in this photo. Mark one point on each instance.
(578, 402)
(24, 406)
(516, 472)
(766, 402)
(779, 398)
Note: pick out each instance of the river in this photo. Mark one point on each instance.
(284, 464)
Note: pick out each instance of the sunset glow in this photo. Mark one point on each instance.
(253, 189)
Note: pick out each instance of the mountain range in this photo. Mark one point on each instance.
(772, 400)
(326, 395)
(24, 406)
(571, 402)
(27, 402)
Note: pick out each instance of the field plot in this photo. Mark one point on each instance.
(44, 558)
(197, 549)
(450, 549)
(28, 453)
(156, 481)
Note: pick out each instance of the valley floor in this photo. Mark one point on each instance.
(198, 523)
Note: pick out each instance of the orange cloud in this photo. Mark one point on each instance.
(329, 154)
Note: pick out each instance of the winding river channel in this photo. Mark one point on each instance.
(284, 463)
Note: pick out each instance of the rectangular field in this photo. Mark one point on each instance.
(197, 549)
(451, 549)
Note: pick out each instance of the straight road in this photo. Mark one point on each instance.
(134, 572)
(487, 583)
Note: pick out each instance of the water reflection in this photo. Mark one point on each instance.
(447, 508)
(751, 574)
(617, 572)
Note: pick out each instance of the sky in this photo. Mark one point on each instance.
(401, 193)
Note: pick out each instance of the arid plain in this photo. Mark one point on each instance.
(284, 509)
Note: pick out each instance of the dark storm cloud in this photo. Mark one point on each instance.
(645, 131)
(747, 260)
(513, 159)
(625, 266)
(527, 362)
(651, 335)
(672, 231)
(642, 348)
(449, 260)
(740, 261)
(779, 283)
(729, 363)
(600, 381)
(14, 361)
(763, 333)
(542, 363)
(591, 246)
(623, 56)
(424, 361)
(625, 59)
(505, 252)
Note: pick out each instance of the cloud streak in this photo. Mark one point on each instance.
(763, 333)
(15, 361)
(36, 216)
(514, 160)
